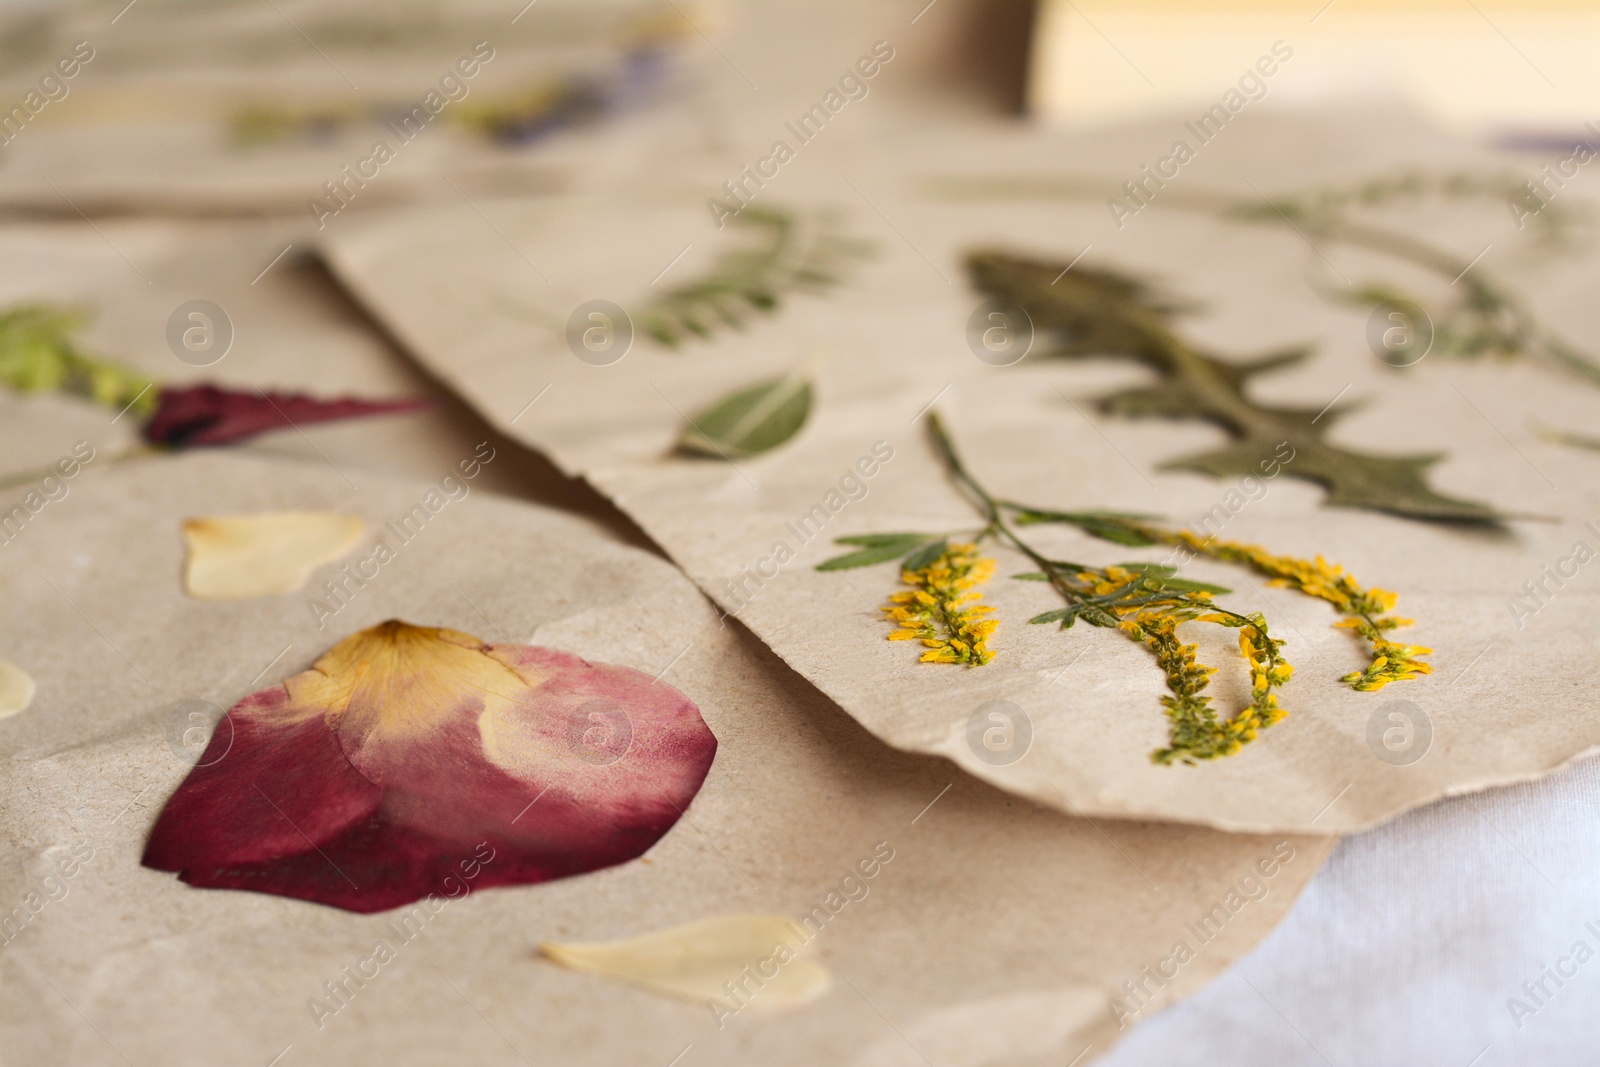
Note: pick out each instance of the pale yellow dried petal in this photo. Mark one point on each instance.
(234, 557)
(16, 689)
(697, 960)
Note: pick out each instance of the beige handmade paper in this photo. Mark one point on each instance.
(1509, 695)
(276, 322)
(280, 108)
(990, 930)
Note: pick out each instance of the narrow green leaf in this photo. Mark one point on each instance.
(1066, 566)
(910, 540)
(1112, 526)
(1158, 570)
(750, 421)
(1098, 617)
(1118, 533)
(1065, 616)
(867, 557)
(925, 556)
(1181, 585)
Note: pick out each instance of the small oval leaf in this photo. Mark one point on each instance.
(751, 421)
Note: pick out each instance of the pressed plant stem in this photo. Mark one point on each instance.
(12, 481)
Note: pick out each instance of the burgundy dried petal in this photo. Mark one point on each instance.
(411, 762)
(207, 415)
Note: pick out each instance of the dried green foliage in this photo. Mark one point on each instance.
(873, 549)
(1574, 440)
(1478, 316)
(1366, 611)
(38, 355)
(1146, 601)
(1487, 319)
(784, 255)
(750, 421)
(1088, 312)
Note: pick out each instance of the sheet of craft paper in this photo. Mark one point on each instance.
(485, 299)
(269, 318)
(263, 108)
(998, 931)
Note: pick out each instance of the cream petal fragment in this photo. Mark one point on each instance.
(234, 557)
(697, 960)
(16, 689)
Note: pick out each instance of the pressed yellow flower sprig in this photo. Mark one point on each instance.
(941, 609)
(1366, 611)
(1148, 602)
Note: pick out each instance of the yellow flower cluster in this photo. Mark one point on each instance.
(1365, 611)
(1391, 661)
(1196, 733)
(942, 611)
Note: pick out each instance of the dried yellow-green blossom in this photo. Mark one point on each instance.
(1147, 601)
(1365, 611)
(1150, 612)
(942, 611)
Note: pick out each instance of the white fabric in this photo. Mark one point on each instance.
(1407, 946)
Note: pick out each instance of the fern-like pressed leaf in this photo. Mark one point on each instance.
(784, 255)
(1088, 312)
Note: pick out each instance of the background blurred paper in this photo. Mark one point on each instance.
(253, 107)
(1489, 64)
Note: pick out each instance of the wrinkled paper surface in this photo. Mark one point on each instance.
(997, 932)
(1508, 699)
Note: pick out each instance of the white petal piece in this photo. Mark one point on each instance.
(16, 689)
(762, 954)
(234, 557)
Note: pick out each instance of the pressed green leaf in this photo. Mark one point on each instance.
(1162, 576)
(1117, 534)
(1106, 525)
(1031, 516)
(1103, 313)
(1062, 565)
(1561, 437)
(750, 421)
(1159, 570)
(785, 254)
(925, 556)
(867, 557)
(1097, 616)
(910, 540)
(1182, 585)
(1065, 616)
(876, 548)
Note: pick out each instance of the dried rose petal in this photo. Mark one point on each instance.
(405, 756)
(234, 557)
(207, 415)
(702, 961)
(16, 689)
